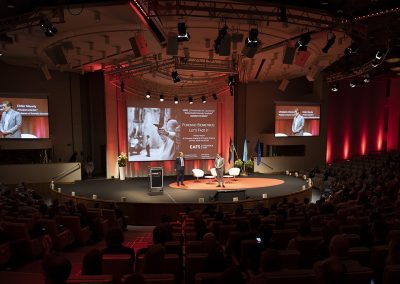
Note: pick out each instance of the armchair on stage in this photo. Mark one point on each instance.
(197, 173)
(212, 177)
(232, 174)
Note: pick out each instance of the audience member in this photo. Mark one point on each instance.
(56, 269)
(92, 263)
(114, 240)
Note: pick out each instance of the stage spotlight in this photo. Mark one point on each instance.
(353, 83)
(175, 76)
(203, 99)
(161, 98)
(11, 4)
(190, 100)
(329, 43)
(252, 40)
(367, 79)
(231, 80)
(215, 96)
(379, 54)
(176, 101)
(335, 88)
(303, 42)
(148, 95)
(48, 28)
(183, 35)
(221, 34)
(352, 49)
(122, 86)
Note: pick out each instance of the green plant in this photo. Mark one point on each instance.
(239, 163)
(122, 159)
(249, 165)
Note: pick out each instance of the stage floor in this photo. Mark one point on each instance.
(136, 190)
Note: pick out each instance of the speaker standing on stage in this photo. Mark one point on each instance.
(180, 168)
(219, 167)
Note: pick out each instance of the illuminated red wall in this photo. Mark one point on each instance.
(356, 119)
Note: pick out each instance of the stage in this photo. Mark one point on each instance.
(136, 190)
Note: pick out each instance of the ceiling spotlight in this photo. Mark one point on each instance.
(122, 86)
(221, 34)
(1, 53)
(352, 49)
(48, 28)
(176, 101)
(175, 76)
(215, 96)
(148, 95)
(335, 88)
(367, 79)
(303, 42)
(252, 40)
(203, 99)
(190, 100)
(379, 54)
(329, 43)
(161, 98)
(11, 4)
(183, 35)
(353, 83)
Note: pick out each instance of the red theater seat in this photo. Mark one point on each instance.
(159, 278)
(91, 279)
(81, 235)
(21, 278)
(117, 265)
(18, 233)
(60, 239)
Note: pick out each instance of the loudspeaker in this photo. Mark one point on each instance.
(172, 44)
(288, 56)
(225, 46)
(249, 52)
(282, 87)
(228, 195)
(139, 45)
(56, 54)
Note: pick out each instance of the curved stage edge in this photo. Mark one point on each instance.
(144, 207)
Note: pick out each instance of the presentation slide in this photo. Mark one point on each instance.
(160, 133)
(297, 120)
(34, 116)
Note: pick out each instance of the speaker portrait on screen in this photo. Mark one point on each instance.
(11, 121)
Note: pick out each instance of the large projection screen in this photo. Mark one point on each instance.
(158, 132)
(35, 116)
(305, 123)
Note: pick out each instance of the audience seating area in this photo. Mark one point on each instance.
(351, 235)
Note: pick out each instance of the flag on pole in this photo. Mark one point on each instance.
(245, 151)
(230, 150)
(258, 152)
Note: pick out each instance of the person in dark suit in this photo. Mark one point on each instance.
(11, 121)
(180, 168)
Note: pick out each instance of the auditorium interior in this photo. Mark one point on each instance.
(300, 98)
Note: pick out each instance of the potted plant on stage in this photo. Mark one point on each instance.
(249, 166)
(122, 159)
(239, 164)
